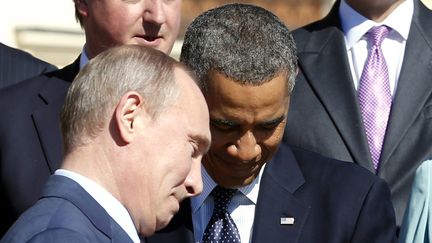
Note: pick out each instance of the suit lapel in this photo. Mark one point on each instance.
(281, 179)
(331, 80)
(415, 82)
(46, 114)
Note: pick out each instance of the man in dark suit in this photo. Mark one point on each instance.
(30, 143)
(244, 58)
(326, 115)
(132, 152)
(17, 65)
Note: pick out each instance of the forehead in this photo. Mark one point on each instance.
(191, 103)
(228, 99)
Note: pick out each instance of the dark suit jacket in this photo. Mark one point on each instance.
(17, 65)
(324, 114)
(65, 213)
(30, 140)
(331, 201)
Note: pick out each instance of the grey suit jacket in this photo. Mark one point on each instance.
(65, 213)
(324, 113)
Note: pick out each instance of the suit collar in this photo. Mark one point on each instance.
(330, 78)
(414, 85)
(63, 187)
(355, 25)
(48, 92)
(46, 114)
(277, 199)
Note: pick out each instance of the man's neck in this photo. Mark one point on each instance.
(375, 10)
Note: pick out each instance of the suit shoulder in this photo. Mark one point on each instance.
(50, 217)
(332, 170)
(26, 58)
(318, 33)
(27, 90)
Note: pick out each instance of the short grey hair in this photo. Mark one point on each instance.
(99, 86)
(246, 43)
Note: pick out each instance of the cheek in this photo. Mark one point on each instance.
(172, 13)
(273, 141)
(123, 21)
(179, 164)
(221, 139)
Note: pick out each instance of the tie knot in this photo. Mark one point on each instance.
(222, 197)
(377, 34)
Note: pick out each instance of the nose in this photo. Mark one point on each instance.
(193, 182)
(246, 147)
(155, 12)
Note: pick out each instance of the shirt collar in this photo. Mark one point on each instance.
(250, 191)
(83, 58)
(355, 25)
(111, 205)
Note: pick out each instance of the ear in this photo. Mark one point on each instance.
(82, 7)
(130, 115)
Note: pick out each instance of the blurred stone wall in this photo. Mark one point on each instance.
(294, 13)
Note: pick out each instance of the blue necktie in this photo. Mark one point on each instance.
(221, 227)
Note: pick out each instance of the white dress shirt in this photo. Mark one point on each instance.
(241, 207)
(111, 205)
(355, 26)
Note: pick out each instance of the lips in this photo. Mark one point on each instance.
(149, 40)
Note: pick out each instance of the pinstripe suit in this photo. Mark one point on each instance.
(17, 65)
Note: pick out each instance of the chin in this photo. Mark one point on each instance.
(147, 231)
(164, 222)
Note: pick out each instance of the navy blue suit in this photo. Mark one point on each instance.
(325, 117)
(331, 202)
(65, 213)
(17, 65)
(30, 140)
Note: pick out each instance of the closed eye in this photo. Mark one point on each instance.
(272, 124)
(223, 125)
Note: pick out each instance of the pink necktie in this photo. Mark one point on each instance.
(374, 94)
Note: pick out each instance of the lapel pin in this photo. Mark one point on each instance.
(287, 221)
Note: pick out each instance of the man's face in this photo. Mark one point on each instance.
(247, 124)
(172, 146)
(108, 23)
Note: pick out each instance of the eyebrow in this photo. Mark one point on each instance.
(203, 142)
(273, 121)
(233, 123)
(223, 122)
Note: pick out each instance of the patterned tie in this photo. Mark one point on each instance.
(221, 227)
(374, 94)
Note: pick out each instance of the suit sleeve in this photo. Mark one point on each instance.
(416, 225)
(376, 222)
(59, 235)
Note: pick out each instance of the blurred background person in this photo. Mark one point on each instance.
(416, 226)
(364, 90)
